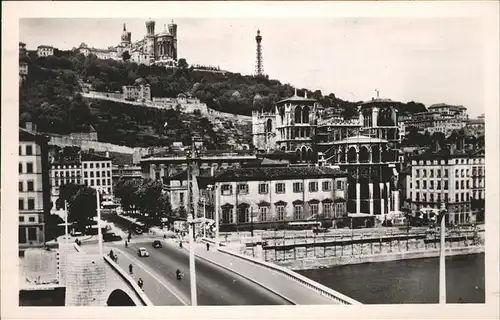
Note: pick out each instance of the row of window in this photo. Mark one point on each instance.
(85, 174)
(67, 173)
(459, 197)
(243, 214)
(66, 181)
(32, 234)
(29, 150)
(459, 173)
(30, 219)
(97, 165)
(458, 161)
(29, 167)
(98, 182)
(458, 184)
(30, 204)
(280, 187)
(30, 186)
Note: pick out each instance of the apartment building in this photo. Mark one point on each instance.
(267, 194)
(45, 51)
(34, 187)
(449, 177)
(64, 171)
(97, 173)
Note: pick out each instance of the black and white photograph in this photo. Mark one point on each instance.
(168, 160)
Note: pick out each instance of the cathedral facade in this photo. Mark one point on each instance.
(154, 48)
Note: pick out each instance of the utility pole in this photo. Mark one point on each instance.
(190, 219)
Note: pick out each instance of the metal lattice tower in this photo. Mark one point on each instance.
(259, 65)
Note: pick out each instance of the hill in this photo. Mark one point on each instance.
(50, 97)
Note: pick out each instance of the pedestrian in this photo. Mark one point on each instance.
(126, 243)
(208, 246)
(130, 269)
(140, 283)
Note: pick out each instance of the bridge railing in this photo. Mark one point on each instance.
(125, 276)
(318, 287)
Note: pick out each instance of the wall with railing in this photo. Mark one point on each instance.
(321, 289)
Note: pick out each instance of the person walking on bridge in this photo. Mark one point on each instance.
(140, 283)
(208, 246)
(130, 269)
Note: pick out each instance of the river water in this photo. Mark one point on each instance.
(407, 281)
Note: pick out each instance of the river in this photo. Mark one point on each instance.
(407, 281)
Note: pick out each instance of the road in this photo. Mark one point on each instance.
(215, 285)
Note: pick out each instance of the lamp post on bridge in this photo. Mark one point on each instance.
(442, 254)
(190, 219)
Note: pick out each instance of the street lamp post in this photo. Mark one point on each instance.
(191, 217)
(442, 256)
(99, 231)
(204, 217)
(66, 221)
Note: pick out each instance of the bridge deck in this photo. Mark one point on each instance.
(294, 291)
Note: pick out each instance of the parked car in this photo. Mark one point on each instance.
(142, 252)
(157, 244)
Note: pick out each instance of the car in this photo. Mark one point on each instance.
(107, 237)
(142, 252)
(157, 244)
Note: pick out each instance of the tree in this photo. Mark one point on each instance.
(126, 56)
(83, 207)
(126, 190)
(182, 64)
(68, 191)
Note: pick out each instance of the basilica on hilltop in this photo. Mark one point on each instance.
(154, 48)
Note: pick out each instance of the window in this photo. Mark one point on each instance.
(417, 173)
(462, 173)
(467, 184)
(20, 151)
(431, 173)
(446, 185)
(457, 185)
(97, 165)
(21, 219)
(85, 174)
(20, 186)
(227, 215)
(417, 196)
(327, 209)
(103, 181)
(456, 173)
(91, 182)
(264, 213)
(226, 189)
(263, 188)
(109, 173)
(97, 182)
(298, 212)
(313, 186)
(297, 187)
(446, 173)
(31, 219)
(438, 185)
(280, 187)
(21, 204)
(438, 173)
(29, 167)
(424, 173)
(31, 234)
(108, 164)
(326, 186)
(281, 212)
(103, 173)
(242, 188)
(98, 174)
(181, 196)
(84, 166)
(340, 185)
(109, 182)
(31, 204)
(29, 150)
(20, 167)
(418, 184)
(91, 165)
(313, 208)
(431, 184)
(456, 197)
(31, 185)
(462, 184)
(424, 184)
(446, 197)
(92, 174)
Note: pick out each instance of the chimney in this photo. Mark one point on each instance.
(305, 94)
(107, 154)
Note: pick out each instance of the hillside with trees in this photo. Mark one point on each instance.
(50, 98)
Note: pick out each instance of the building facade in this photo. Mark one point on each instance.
(279, 194)
(63, 171)
(45, 51)
(450, 178)
(139, 91)
(154, 48)
(34, 187)
(97, 171)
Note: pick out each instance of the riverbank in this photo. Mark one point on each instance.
(317, 262)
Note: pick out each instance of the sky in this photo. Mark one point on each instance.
(429, 60)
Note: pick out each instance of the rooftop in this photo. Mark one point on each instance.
(296, 98)
(278, 173)
(442, 105)
(360, 139)
(94, 157)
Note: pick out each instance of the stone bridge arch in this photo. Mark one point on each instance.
(119, 298)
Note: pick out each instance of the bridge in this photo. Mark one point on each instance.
(223, 277)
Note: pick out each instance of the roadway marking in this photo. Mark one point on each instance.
(152, 274)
